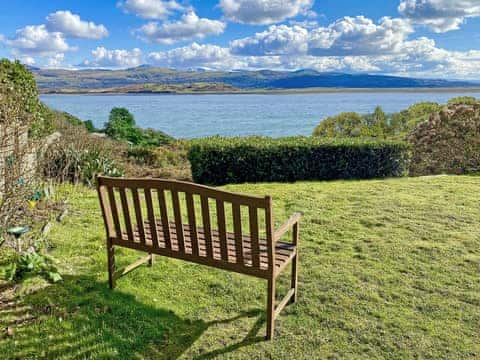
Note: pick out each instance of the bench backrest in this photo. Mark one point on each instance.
(187, 208)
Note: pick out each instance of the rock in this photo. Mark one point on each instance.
(100, 135)
(46, 228)
(62, 215)
(9, 331)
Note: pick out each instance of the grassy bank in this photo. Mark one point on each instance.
(389, 269)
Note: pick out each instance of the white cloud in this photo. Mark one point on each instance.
(28, 60)
(150, 9)
(359, 35)
(196, 55)
(118, 58)
(277, 40)
(440, 15)
(72, 26)
(264, 12)
(55, 61)
(36, 40)
(190, 26)
(345, 37)
(421, 57)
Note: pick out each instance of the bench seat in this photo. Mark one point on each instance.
(284, 252)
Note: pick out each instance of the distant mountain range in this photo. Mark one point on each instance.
(160, 80)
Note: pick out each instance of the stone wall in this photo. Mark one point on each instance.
(14, 143)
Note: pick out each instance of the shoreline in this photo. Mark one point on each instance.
(272, 91)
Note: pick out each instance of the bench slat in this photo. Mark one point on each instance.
(177, 214)
(126, 213)
(192, 222)
(138, 214)
(164, 217)
(222, 229)
(206, 225)
(253, 222)
(151, 218)
(237, 229)
(113, 206)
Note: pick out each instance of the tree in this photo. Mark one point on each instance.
(376, 124)
(347, 124)
(121, 125)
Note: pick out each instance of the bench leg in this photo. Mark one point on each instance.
(294, 281)
(151, 259)
(271, 308)
(111, 264)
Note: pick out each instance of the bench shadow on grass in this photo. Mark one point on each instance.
(100, 323)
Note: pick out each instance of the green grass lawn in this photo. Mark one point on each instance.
(388, 269)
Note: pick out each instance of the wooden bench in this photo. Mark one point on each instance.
(190, 222)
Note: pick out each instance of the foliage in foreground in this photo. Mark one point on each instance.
(218, 160)
(30, 264)
(19, 113)
(388, 270)
(79, 155)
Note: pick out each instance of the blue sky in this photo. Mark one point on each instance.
(425, 38)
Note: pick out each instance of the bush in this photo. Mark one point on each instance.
(220, 160)
(449, 142)
(121, 125)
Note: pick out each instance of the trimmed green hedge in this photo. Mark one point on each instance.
(218, 160)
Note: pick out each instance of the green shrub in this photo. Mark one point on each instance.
(18, 94)
(32, 263)
(143, 155)
(220, 160)
(74, 164)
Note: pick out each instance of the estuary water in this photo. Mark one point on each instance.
(190, 116)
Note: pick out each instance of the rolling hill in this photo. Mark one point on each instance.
(152, 79)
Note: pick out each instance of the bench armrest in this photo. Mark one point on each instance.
(294, 219)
